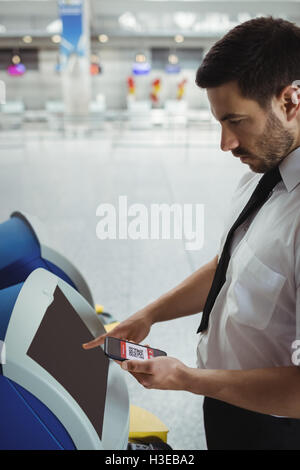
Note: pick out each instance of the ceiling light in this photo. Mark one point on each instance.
(184, 20)
(54, 27)
(215, 23)
(128, 21)
(178, 38)
(140, 58)
(103, 38)
(173, 59)
(56, 38)
(27, 39)
(16, 59)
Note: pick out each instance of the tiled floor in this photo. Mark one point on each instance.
(63, 181)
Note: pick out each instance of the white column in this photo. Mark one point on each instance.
(75, 61)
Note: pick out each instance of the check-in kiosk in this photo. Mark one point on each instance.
(55, 394)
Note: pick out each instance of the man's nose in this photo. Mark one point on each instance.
(228, 141)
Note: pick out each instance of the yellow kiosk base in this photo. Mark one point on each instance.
(145, 424)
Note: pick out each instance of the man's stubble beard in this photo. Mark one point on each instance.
(273, 145)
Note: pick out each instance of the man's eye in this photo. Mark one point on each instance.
(235, 122)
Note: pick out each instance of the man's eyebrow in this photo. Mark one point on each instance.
(231, 116)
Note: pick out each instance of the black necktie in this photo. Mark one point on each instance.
(256, 201)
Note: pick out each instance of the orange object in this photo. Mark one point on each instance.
(131, 86)
(154, 95)
(181, 89)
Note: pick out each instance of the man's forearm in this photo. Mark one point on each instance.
(273, 391)
(187, 298)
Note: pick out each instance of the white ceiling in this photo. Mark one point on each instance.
(145, 18)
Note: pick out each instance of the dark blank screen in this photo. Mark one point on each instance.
(29, 57)
(57, 347)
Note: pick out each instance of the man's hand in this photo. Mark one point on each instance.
(163, 373)
(134, 329)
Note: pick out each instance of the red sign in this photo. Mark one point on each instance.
(123, 349)
(150, 353)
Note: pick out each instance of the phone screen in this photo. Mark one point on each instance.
(135, 351)
(122, 350)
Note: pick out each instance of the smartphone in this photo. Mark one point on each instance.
(121, 350)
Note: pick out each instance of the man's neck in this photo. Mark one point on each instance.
(296, 143)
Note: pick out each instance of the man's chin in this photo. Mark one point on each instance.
(256, 167)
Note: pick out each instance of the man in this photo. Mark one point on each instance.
(250, 292)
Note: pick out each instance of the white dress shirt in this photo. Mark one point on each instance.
(256, 316)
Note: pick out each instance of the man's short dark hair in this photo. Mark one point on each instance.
(262, 55)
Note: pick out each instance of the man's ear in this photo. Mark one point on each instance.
(289, 99)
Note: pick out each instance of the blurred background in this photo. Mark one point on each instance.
(98, 99)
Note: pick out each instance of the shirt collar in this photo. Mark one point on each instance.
(290, 169)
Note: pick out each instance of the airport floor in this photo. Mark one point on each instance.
(62, 180)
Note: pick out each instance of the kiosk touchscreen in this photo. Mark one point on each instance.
(60, 353)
